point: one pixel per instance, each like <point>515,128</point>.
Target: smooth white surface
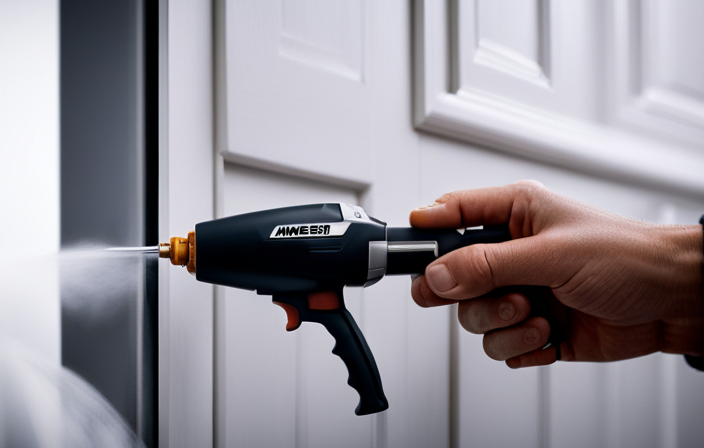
<point>186,195</point>
<point>29,175</point>
<point>656,69</point>
<point>296,94</point>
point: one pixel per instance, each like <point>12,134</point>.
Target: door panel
<point>487,389</point>
<point>298,67</point>
<point>657,69</point>
<point>291,380</point>
<point>521,51</point>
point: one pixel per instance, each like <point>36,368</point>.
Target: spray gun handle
<point>328,308</point>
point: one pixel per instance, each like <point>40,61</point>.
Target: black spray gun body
<point>303,256</point>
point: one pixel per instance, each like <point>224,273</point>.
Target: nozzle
<point>181,251</point>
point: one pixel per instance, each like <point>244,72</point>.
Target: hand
<point>621,288</point>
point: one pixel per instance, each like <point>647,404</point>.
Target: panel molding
<point>494,55</point>
<point>485,119</point>
<point>250,161</point>
<point>504,59</point>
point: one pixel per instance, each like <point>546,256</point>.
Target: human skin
<point>620,288</point>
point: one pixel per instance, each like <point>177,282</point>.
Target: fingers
<point>499,318</point>
<point>485,314</point>
<point>518,340</point>
<point>480,206</point>
<point>476,270</point>
<point>424,296</point>
<point>533,359</point>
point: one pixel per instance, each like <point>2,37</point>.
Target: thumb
<point>492,205</point>
<point>475,270</point>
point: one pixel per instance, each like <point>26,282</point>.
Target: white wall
<point>29,174</point>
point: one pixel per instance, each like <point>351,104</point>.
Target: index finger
<point>467,208</point>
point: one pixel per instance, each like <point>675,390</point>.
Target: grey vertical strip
<point>381,430</point>
<point>612,402</point>
<point>139,125</point>
<point>101,183</point>
<point>163,268</point>
<point>545,35</point>
<point>668,399</point>
<point>544,403</point>
<point>102,126</point>
<point>454,44</point>
<point>219,305</point>
<point>109,160</point>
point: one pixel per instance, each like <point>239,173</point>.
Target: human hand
<point>621,288</point>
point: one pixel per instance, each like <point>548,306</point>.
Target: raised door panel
<point>295,88</point>
<point>524,52</point>
<point>657,58</point>
<point>279,388</point>
<point>504,47</point>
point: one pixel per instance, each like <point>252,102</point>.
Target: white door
<point>307,105</point>
<point>314,101</point>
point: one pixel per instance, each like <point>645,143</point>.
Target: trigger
<point>292,314</point>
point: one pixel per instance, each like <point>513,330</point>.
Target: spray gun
<point>303,256</point>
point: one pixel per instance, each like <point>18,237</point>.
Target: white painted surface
<point>322,116</point>
<point>656,69</point>
<point>186,195</point>
<point>29,175</point>
<point>300,64</point>
<point>562,125</point>
<point>292,379</point>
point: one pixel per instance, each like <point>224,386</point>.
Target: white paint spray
<point>42,403</point>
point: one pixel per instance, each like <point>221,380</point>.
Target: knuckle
<point>474,269</point>
<point>530,188</point>
<point>449,198</point>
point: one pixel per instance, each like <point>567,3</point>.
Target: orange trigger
<point>292,316</point>
<point>326,300</point>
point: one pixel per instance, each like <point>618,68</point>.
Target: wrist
<point>683,328</point>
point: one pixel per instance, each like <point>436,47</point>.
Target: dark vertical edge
<point>150,340</point>
<point>151,125</point>
<point>150,398</point>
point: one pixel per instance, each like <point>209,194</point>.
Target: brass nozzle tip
<point>164,250</point>
<point>181,251</point>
